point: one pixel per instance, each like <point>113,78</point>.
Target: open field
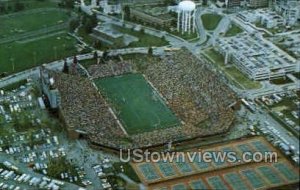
<point>28,5</point>
<point>232,73</point>
<point>217,174</point>
<point>140,108</point>
<point>186,36</point>
<point>27,21</point>
<point>19,56</point>
<point>210,21</point>
<point>234,30</point>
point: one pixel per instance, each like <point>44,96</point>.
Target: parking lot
<point>36,153</point>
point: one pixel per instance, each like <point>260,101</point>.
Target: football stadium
<point>121,105</point>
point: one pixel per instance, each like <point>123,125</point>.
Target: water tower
<point>186,16</point>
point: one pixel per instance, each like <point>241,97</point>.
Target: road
<point>262,116</point>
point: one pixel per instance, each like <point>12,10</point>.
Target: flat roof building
<point>258,58</point>
<point>290,10</point>
<point>258,3</point>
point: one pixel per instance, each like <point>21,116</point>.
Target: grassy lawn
<point>27,55</point>
<point>242,79</point>
<point>234,30</point>
<point>281,81</point>
<point>128,170</point>
<point>185,36</point>
<point>210,21</point>
<point>14,85</point>
<point>145,40</point>
<point>232,73</point>
<point>139,107</point>
<point>28,5</point>
<point>61,165</point>
<point>29,22</point>
<point>216,57</point>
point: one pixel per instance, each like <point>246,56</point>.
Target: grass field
<point>21,23</point>
<point>210,21</point>
<point>186,36</point>
<point>138,106</point>
<point>234,30</point>
<point>22,56</point>
<point>28,5</point>
<point>238,78</point>
<point>281,81</point>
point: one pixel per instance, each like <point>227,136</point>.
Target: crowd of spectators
<point>110,68</point>
<point>194,93</point>
<point>84,109</point>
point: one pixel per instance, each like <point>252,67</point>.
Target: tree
<point>150,51</point>
<point>66,67</point>
<point>19,6</point>
<point>127,12</point>
<point>2,8</point>
<point>67,4</point>
<point>169,2</point>
<point>74,24</point>
<point>90,22</point>
<point>104,57</point>
<point>97,44</point>
<point>75,60</point>
<point>96,57</point>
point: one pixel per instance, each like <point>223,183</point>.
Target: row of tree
<point>11,6</point>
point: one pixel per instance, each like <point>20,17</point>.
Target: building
<point>108,35</point>
<point>163,19</point>
<point>114,8</point>
<point>186,16</point>
<point>269,19</point>
<point>48,89</point>
<point>258,3</point>
<point>290,10</point>
<point>257,58</point>
<point>266,17</point>
<point>233,3</point>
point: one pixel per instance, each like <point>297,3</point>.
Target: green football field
<point>21,56</point>
<point>138,105</point>
<point>27,22</point>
